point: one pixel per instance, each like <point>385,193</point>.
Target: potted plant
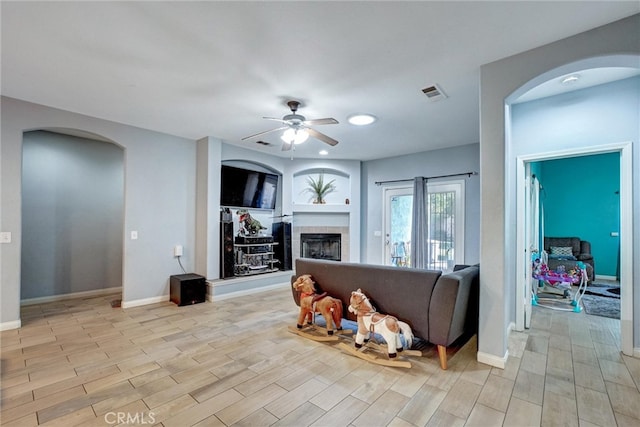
<point>319,188</point>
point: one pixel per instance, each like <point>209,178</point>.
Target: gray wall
<point>72,212</point>
<point>159,201</point>
<point>430,163</point>
<point>498,82</point>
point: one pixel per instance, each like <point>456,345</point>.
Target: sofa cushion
<point>563,242</point>
<point>562,250</point>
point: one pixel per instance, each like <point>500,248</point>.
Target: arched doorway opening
<point>72,216</point>
<point>566,141</point>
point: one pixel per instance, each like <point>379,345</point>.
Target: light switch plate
<point>5,237</point>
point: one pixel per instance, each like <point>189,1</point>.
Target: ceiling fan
<point>296,128</point>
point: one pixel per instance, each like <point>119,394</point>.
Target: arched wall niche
<point>80,133</point>
<point>341,181</point>
<point>249,164</point>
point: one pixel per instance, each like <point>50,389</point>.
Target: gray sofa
<point>440,308</point>
<point>580,251</point>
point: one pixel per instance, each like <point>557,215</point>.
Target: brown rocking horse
<point>311,303</point>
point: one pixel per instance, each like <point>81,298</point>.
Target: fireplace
<point>321,246</point>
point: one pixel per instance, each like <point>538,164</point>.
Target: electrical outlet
<point>134,235</point>
<point>177,251</point>
<point>5,237</point>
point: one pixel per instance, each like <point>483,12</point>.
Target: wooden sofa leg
<point>442,354</point>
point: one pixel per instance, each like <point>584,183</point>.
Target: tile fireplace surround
<point>344,236</point>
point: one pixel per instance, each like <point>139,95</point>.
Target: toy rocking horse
<point>311,303</point>
<point>388,326</point>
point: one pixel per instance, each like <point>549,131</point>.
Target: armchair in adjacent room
<point>568,251</point>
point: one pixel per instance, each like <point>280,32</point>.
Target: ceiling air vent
<point>434,93</point>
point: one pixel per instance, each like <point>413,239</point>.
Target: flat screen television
<point>245,188</point>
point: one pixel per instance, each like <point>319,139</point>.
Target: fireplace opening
<point>320,246</point>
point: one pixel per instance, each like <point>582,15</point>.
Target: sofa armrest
<point>585,248</point>
<point>451,303</point>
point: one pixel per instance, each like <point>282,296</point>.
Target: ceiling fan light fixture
<point>295,136</point>
<point>361,119</point>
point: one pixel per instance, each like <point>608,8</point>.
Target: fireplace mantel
<point>321,208</point>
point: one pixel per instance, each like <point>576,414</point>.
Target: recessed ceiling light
<point>323,152</point>
<point>361,119</point>
<point>570,79</point>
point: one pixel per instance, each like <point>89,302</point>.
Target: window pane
<point>442,208</point>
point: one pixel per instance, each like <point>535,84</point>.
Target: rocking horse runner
<point>310,303</point>
<point>370,321</point>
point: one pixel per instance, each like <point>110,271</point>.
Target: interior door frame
<point>626,229</point>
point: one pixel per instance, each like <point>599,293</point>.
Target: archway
<point>576,146</point>
<point>72,215</point>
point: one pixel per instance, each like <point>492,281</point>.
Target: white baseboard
<point>145,301</point>
<point>84,294</point>
<point>14,324</point>
<point>493,360</point>
<point>602,277</point>
<point>213,297</point>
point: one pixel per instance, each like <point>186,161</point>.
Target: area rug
<point>601,306</point>
<point>602,300</point>
<point>604,290</point>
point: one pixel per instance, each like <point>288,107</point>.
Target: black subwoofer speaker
<point>188,289</point>
<point>281,232</point>
<point>227,257</point>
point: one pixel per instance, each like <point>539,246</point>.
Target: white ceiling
<point>196,69</point>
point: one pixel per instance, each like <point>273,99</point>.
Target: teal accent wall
<point>581,198</point>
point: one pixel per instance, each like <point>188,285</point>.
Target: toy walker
<point>559,282</point>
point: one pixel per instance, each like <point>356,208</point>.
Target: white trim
<point>626,248</point>
<point>493,360</point>
<point>84,294</point>
<point>145,301</point>
<point>14,324</point>
<point>603,277</point>
<point>240,279</point>
<point>212,297</point>
<point>522,193</point>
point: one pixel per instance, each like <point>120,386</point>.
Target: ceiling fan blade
<point>266,131</point>
<point>286,122</point>
<point>326,121</point>
<point>321,136</point>
<point>287,146</point>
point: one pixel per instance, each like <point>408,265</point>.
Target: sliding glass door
<point>398,203</point>
<point>446,225</point>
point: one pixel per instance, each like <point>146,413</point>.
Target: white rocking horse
<point>386,325</point>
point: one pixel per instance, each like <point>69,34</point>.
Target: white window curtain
<point>420,224</point>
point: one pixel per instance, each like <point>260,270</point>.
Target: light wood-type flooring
<point>234,363</point>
